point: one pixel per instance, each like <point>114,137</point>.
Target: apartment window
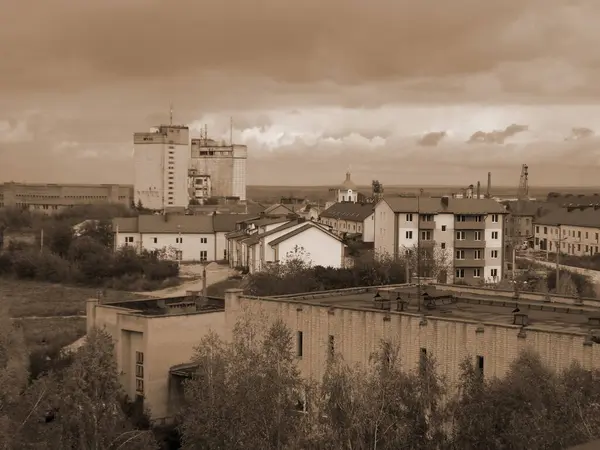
<point>427,217</point>
<point>461,218</point>
<point>203,240</point>
<point>477,235</point>
<point>494,273</point>
<point>587,249</point>
<point>479,365</point>
<point>300,343</point>
<point>225,254</point>
<point>579,234</point>
<point>494,235</point>
<point>139,373</point>
<point>494,254</point>
<point>155,240</point>
<point>171,147</point>
<point>203,255</point>
<point>461,235</point>
<point>423,359</point>
<point>578,247</point>
<point>545,230</point>
<point>460,273</point>
<point>586,235</point>
<point>443,245</point>
<point>478,218</point>
<point>460,254</point>
<point>537,229</point>
<point>179,240</point>
<point>129,239</point>
<point>409,217</point>
<point>494,218</point>
<point>596,236</point>
<point>477,254</point>
<point>443,227</point>
<point>331,346</point>
<point>476,273</point>
<point>409,235</point>
<point>425,235</point>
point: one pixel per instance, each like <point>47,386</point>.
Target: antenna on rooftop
<point>171,114</point>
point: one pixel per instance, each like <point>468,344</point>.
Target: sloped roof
<point>255,238</point>
<point>589,217</point>
<point>356,212</point>
<point>154,223</point>
<point>534,208</point>
<point>272,208</point>
<point>259,222</point>
<point>433,205</point>
<point>300,230</point>
<point>577,199</point>
<point>227,222</point>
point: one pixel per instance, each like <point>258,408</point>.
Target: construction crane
<point>516,239</point>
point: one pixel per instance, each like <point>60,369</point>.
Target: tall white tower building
<point>161,163</point>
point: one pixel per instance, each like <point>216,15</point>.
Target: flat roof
<point>169,306</point>
<point>451,304</point>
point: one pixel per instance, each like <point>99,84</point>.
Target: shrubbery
<point>86,257</point>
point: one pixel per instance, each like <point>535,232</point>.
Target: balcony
<point>469,225</point>
<point>426,225</point>
<point>468,243</point>
<point>468,262</point>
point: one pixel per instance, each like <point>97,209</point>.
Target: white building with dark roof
<point>347,219</point>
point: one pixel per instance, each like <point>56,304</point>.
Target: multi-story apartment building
<point>161,164</point>
<point>155,338</point>
<point>218,169</point>
<point>50,198</point>
<point>468,231</point>
<point>571,230</point>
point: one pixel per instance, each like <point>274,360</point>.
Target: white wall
<point>405,226</point>
<point>148,159</point>
<point>320,248</point>
<point>384,229</point>
<point>181,197</point>
<point>190,247</point>
<point>496,263</point>
<point>368,231</point>
<point>240,153</point>
<point>121,240</point>
<point>221,246</point>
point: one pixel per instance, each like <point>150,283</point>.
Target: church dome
<point>348,184</point>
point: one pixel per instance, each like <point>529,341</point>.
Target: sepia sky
<point>393,89</point>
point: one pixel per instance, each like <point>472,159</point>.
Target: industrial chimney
<point>478,190</point>
<point>489,185</point>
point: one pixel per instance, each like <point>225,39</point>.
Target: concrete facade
<point>223,165</point>
<point>467,232</point>
<point>51,198</point>
<point>161,163</point>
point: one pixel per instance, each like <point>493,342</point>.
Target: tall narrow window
<point>331,346</point>
<point>139,373</point>
<point>479,366</point>
<point>300,344</point>
<point>423,359</point>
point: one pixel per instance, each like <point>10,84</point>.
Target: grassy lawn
<point>37,299</point>
<point>218,289</point>
<point>57,332</point>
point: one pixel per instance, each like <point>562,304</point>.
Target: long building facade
<point>450,323</point>
<point>469,232</point>
<point>50,198</point>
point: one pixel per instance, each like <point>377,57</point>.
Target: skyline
<point>325,87</point>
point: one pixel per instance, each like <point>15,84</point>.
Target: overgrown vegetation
<point>249,394</point>
<point>539,278</point>
<point>62,254</point>
<point>584,262</point>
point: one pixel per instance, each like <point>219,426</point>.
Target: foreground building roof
<point>356,212</point>
<point>435,205</point>
<point>588,217</point>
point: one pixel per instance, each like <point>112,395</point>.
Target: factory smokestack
<point>478,190</point>
<point>489,185</point>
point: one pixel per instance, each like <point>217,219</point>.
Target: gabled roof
<point>255,238</point>
<point>433,205</point>
<point>356,212</point>
<point>259,222</point>
<point>533,208</point>
<point>274,207</point>
<point>169,223</point>
<point>588,217</point>
<point>300,230</point>
<point>227,222</point>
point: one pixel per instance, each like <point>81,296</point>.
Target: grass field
<point>218,289</point>
<point>56,332</point>
<point>323,194</point>
<point>36,299</point>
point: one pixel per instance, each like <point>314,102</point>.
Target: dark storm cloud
<point>432,139</point>
<point>496,136</point>
<point>68,45</point>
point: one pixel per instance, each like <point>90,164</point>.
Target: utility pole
<point>558,246</point>
<point>42,240</point>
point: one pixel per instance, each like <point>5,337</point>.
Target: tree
<point>434,261</point>
<point>98,230</point>
<point>90,414</point>
<point>58,238</point>
<point>244,392</point>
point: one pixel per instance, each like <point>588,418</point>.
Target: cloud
<point>496,136</point>
<point>14,132</point>
<point>432,139</point>
<point>537,47</point>
<point>580,133</point>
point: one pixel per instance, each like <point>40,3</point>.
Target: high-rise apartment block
<point>161,161</point>
<point>170,173</point>
<point>468,232</point>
